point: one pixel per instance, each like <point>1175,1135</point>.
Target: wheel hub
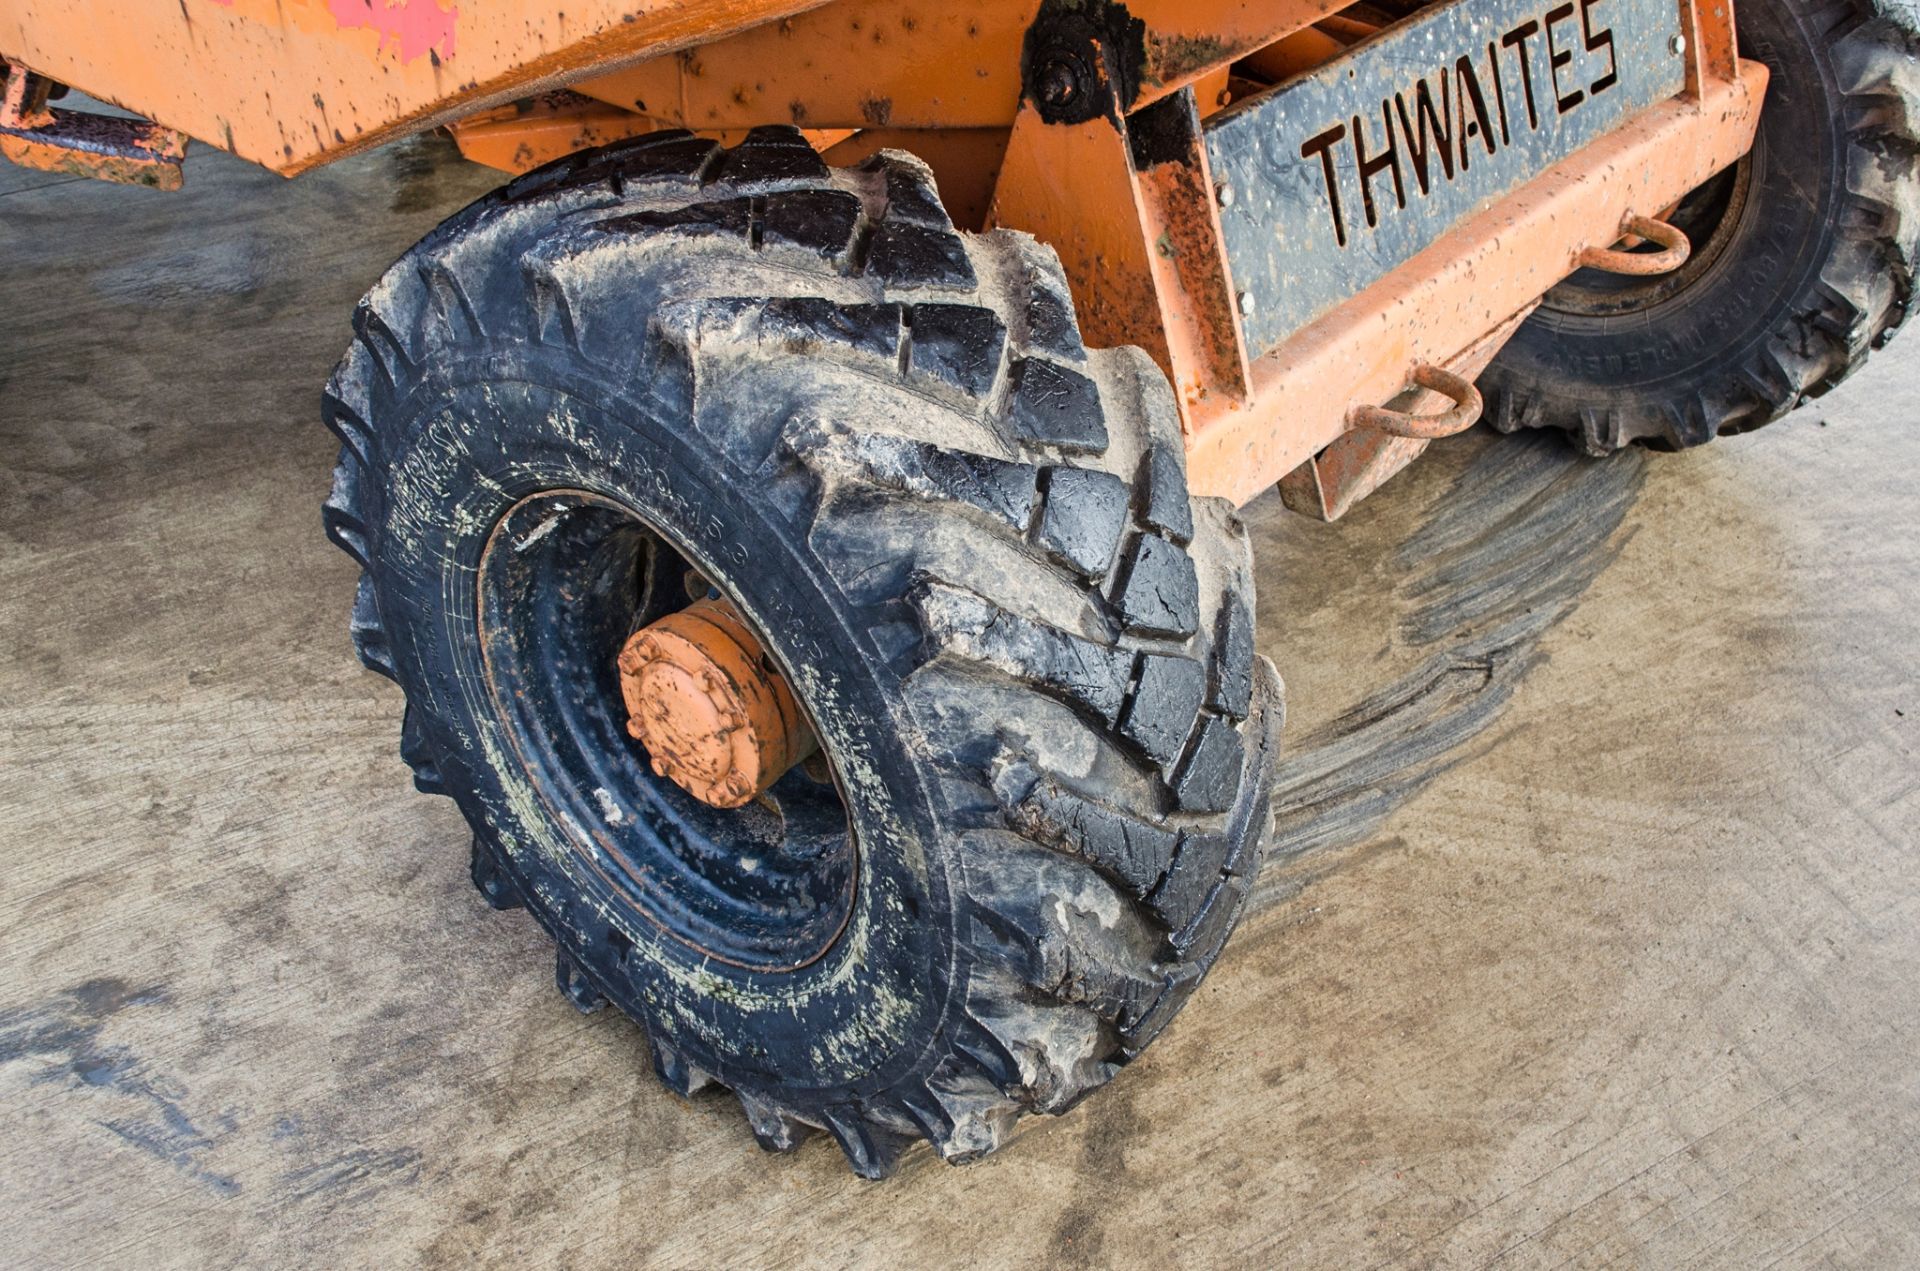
<point>704,700</point>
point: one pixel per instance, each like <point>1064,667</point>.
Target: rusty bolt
<point>1056,84</point>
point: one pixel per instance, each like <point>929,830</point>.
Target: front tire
<point>964,538</point>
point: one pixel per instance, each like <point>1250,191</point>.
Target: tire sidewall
<point>478,437</point>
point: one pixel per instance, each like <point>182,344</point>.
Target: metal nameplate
<point>1332,179</point>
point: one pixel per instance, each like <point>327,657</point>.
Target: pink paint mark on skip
<point>414,27</point>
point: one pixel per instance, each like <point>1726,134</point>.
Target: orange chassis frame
<point>294,83</point>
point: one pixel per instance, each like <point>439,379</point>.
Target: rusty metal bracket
<point>1670,238</point>
<point>126,151</point>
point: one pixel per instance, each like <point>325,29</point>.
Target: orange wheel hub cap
<point>715,717</point>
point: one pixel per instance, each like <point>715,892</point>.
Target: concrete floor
<point>1593,934</point>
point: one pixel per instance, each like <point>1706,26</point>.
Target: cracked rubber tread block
<point>958,345</point>
<point>1160,592</point>
<point>860,361</point>
<point>1084,515</point>
<point>1818,271</point>
<point>1057,406</point>
<point>1166,699</point>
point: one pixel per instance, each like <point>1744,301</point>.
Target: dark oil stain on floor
<point>135,1099</point>
<point>146,1108</point>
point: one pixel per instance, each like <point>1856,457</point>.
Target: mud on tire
<point>1803,256</point>
<point>965,537</point>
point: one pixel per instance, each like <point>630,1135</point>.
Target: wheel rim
<point>565,578</point>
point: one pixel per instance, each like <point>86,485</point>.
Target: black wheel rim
<point>565,577</point>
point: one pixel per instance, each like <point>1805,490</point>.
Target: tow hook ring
<point>1670,238</point>
<point>1462,415</point>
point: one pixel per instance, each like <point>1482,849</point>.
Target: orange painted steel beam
<point>919,64</point>
<point>1072,187</point>
<point>1141,248</point>
<point>293,83</point>
<point>1712,53</point>
<point>1466,284</point>
<point>1188,39</point>
<point>128,151</point>
<point>521,137</point>
<point>1206,356</point>
<point>852,64</point>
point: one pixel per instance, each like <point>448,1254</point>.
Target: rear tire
<point>1803,262</point>
<point>965,538</point>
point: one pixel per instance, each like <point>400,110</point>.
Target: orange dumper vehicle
<point>799,504</point>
